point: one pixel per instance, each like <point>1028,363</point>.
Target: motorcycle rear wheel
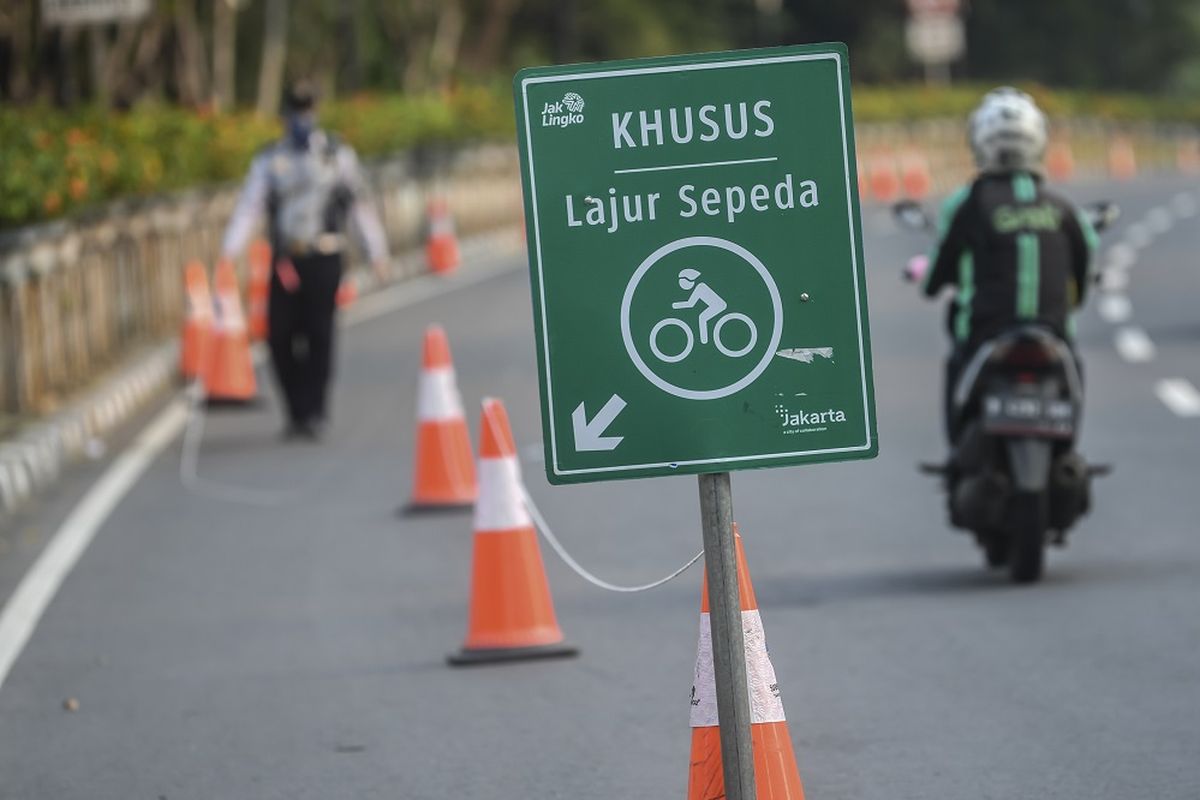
<point>995,549</point>
<point>1027,543</point>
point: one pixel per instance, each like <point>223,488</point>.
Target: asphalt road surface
<point>293,648</point>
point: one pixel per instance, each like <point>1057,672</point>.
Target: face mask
<point>299,128</point>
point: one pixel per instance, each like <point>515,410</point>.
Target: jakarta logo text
<point>566,112</point>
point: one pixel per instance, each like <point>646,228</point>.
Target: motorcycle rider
<point>1016,252</point>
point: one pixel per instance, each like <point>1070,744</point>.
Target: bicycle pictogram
<point>714,309</point>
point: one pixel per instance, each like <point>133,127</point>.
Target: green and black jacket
<point>1015,251</point>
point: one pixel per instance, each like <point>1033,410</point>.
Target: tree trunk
<point>193,66</point>
<point>224,55</point>
<point>98,46</point>
<point>270,72</point>
<point>443,55</point>
<point>131,81</point>
<point>487,49</point>
<point>61,84</point>
<point>418,44</point>
<point>567,31</point>
<point>350,69</point>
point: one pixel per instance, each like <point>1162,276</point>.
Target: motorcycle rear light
<point>1026,377</point>
<point>1029,354</point>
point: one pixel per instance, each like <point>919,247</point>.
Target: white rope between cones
<point>189,459</point>
<point>558,548</point>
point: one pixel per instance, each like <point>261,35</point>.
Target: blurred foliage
<point>427,45</point>
<point>907,102</point>
<point>62,161</point>
<point>56,162</point>
<point>406,72</point>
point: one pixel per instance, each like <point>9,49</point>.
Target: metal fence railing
<point>77,296</point>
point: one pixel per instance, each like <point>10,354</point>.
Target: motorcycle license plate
<point>1028,415</point>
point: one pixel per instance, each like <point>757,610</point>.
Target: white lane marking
<point>20,615</point>
<point>1138,235</point>
<point>1184,205</point>
<point>1121,256</point>
<point>426,287</point>
<point>1115,308</point>
<point>1134,344</point>
<point>1159,220</point>
<point>1114,280</point>
<point>24,609</point>
<point>1180,396</point>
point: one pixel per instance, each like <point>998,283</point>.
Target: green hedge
<point>58,162</point>
<point>892,103</point>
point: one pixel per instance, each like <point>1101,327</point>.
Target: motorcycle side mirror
<point>1102,214</point>
<point>911,215</point>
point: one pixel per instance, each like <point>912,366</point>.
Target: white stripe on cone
<point>500,507</point>
<point>228,314</point>
<point>199,306</point>
<point>438,399</point>
<point>765,702</point>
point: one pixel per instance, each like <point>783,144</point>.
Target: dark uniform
<point>1016,253</point>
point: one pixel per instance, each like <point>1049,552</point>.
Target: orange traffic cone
<point>441,249</point>
<point>1187,156</point>
<point>915,176</point>
<point>1122,160</point>
<point>775,773</point>
<point>444,472</point>
<point>1060,161</point>
<point>230,374</point>
<point>195,344</point>
<point>885,184</point>
<point>259,291</point>
<point>511,615</point>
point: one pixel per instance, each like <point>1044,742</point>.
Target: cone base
<point>495,655</point>
<point>427,508</point>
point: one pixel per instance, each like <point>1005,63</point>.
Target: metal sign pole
<point>729,650</point>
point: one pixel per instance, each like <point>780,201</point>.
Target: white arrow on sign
<point>588,435</point>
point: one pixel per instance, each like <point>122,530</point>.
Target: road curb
<point>35,458</point>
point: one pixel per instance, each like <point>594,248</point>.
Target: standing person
<point>307,184</point>
<point>1015,251</point>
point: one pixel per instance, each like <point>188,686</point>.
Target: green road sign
<point>696,260</point>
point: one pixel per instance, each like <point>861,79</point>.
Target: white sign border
<point>537,241</point>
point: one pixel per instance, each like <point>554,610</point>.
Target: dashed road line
<point>1159,220</point>
<point>1134,344</point>
<point>1179,395</point>
<point>1121,256</point>
<point>1184,205</point>
<point>1138,235</point>
<point>1114,280</point>
<point>1115,308</point>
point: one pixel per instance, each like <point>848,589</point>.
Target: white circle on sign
<point>750,328</point>
<point>776,328</point>
<point>671,322</point>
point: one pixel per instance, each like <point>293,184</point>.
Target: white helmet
<point>1007,131</point>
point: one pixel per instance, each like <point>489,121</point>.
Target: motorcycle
<point>1014,478</point>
